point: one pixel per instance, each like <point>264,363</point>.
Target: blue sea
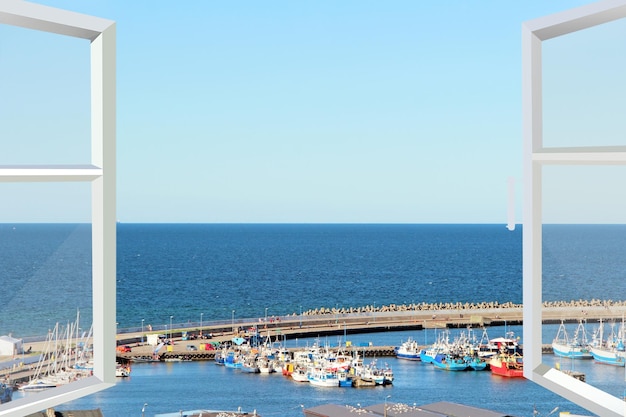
<point>219,272</point>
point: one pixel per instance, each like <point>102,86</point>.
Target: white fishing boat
<point>299,374</point>
<point>122,371</point>
<point>609,351</point>
<point>576,347</point>
<point>409,350</point>
<point>322,377</point>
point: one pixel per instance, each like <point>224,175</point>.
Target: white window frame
<point>534,32</point>
<point>101,173</point>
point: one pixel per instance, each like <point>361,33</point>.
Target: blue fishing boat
<point>6,393</point>
<point>476,363</point>
<point>450,362</point>
<point>232,360</point>
<point>441,346</point>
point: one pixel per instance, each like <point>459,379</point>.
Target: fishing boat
<point>345,378</point>
<point>450,362</point>
<point>476,363</point>
<point>250,365</point>
<point>507,364</point>
<point>232,360</point>
<point>573,348</point>
<point>610,351</point>
<point>122,371</point>
<point>299,374</point>
<point>408,350</point>
<point>6,393</point>
<point>441,346</point>
<point>322,377</point>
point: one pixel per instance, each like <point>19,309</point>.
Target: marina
<point>390,283</point>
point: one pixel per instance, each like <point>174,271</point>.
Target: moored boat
<point>408,350</point>
<point>450,362</point>
<point>299,374</point>
<point>610,351</point>
<point>37,385</point>
<point>6,393</point>
<point>322,377</point>
<point>122,370</point>
<point>507,364</point>
<point>573,348</point>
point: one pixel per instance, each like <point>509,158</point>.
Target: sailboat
<point>55,365</point>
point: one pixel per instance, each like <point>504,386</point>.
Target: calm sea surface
<point>190,271</point>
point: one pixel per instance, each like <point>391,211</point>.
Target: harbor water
<point>171,274</point>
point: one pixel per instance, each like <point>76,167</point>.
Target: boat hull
<point>608,357</point>
<point>570,352</point>
<point>507,366</point>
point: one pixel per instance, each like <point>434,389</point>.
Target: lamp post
<point>171,317</point>
<point>142,320</point>
<point>232,321</point>
<point>201,314</point>
<point>116,334</point>
<point>143,409</point>
<point>300,316</point>
<point>265,314</point>
<point>385,409</point>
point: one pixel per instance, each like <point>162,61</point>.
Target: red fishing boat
<point>507,364</point>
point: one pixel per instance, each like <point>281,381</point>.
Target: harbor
<point>198,341</point>
<point>372,335</point>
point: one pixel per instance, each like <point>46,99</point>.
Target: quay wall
<point>386,318</point>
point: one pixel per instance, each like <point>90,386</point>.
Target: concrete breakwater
<point>323,322</point>
<point>458,306</point>
<point>388,318</point>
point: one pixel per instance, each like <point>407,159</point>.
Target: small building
<point>10,346</point>
<point>440,409</point>
<point>154,339</point>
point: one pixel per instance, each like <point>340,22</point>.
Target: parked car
<point>192,347</point>
<point>124,348</point>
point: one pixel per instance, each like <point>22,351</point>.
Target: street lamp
<point>201,314</point>
<point>232,321</point>
<point>143,409</point>
<point>142,320</point>
<point>171,317</point>
<point>266,314</point>
<point>301,316</point>
<point>385,409</point>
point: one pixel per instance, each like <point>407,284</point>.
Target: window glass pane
<point>46,301</point>
<point>584,261</point>
<point>584,87</point>
<point>45,100</point>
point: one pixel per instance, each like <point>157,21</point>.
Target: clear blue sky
<point>283,111</point>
